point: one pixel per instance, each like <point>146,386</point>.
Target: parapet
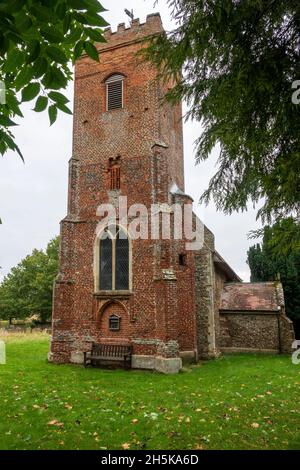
<point>135,32</point>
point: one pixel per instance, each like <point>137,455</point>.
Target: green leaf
<point>4,44</point>
<point>91,51</point>
<point>58,97</point>
<point>76,4</point>
<point>43,14</point>
<point>91,19</point>
<point>30,91</point>
<point>75,35</point>
<point>61,11</point>
<point>78,50</point>
<point>13,104</point>
<point>48,79</point>
<point>95,5</point>
<point>96,35</point>
<point>34,50</point>
<point>67,23</point>
<point>8,140</point>
<point>52,34</point>
<point>41,104</point>
<point>52,111</point>
<point>23,22</point>
<point>3,147</point>
<point>55,79</point>
<point>14,37</point>
<point>59,79</point>
<point>14,60</point>
<point>64,108</point>
<point>57,54</point>
<point>86,5</point>
<point>40,67</point>
<point>24,77</point>
<point>19,152</point>
<point>6,121</point>
<point>13,6</point>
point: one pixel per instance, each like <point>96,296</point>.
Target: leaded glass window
<point>106,264</point>
<point>114,260</point>
<point>122,263</point>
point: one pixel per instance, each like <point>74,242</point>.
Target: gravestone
<point>2,353</point>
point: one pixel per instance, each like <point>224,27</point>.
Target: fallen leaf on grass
<point>255,425</point>
<point>54,422</point>
<point>68,407</point>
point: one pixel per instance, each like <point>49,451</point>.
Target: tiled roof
<point>252,296</point>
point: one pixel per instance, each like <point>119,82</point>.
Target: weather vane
<point>130,14</point>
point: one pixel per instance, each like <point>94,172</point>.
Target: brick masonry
<point>171,310</point>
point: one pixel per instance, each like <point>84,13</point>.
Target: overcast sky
<point>33,197</point>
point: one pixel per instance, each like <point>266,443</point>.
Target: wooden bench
<point>108,354</point>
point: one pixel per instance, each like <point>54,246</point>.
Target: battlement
<point>135,32</point>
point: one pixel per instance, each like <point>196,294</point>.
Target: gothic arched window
<point>115,92</point>
<point>114,263</point>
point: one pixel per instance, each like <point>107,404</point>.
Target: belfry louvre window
<point>115,92</point>
<point>114,263</point>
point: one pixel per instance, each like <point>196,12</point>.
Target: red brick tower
<point>127,142</point>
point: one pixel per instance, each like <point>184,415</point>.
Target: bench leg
<point>87,360</point>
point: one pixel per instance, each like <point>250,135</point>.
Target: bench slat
<point>108,353</point>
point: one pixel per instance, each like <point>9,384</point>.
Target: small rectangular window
<point>182,260</point>
<point>114,95</point>
<point>114,323</point>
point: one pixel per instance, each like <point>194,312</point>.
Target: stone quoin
<point>170,303</point>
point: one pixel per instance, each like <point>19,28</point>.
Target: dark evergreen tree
<point>269,264</point>
<point>239,60</point>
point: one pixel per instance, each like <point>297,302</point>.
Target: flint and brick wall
<point>158,314</point>
<point>251,331</point>
<point>269,332</point>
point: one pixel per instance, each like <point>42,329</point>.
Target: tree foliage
<point>239,60</point>
<point>267,263</point>
<point>38,41</point>
<point>27,290</point>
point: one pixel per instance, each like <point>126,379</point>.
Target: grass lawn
<point>235,402</point>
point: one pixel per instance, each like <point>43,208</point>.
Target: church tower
<point>128,143</point>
